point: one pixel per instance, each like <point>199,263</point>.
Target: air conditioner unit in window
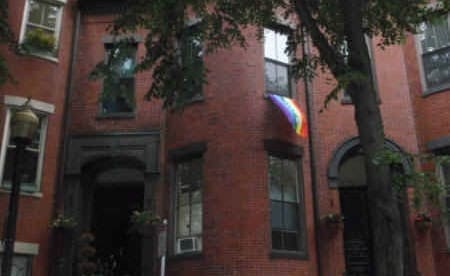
<point>188,244</point>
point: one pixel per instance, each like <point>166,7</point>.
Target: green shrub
<point>39,40</point>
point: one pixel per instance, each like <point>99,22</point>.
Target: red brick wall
<point>45,81</point>
<point>336,124</point>
<point>432,115</point>
<point>85,104</point>
<point>234,118</point>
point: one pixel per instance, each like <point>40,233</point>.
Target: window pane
<point>290,240</point>
<point>196,219</point>
<point>290,180</point>
<point>436,67</point>
<point>9,165</point>
<point>118,86</point>
<point>275,172</point>
<point>50,14</point>
<point>270,77</point>
<point>183,198</point>
<point>192,59</point>
<point>436,35</point>
<point>290,216</point>
<point>281,40</point>
<point>21,265</point>
<point>196,196</point>
<point>446,171</point>
<point>282,80</point>
<point>276,215</point>
<point>275,45</point>
<point>119,96</point>
<point>195,173</point>
<point>270,44</point>
<point>183,221</point>
<point>277,240</point>
<point>36,12</point>
<point>30,166</point>
<point>188,185</point>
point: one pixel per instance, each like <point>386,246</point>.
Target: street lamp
<point>23,126</point>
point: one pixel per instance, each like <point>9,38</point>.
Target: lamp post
<point>23,126</point>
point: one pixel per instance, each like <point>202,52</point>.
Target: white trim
<point>26,248</point>
<point>5,141</point>
<point>16,101</point>
<point>23,193</point>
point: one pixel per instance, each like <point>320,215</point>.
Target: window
<point>346,99</point>
<point>23,257</point>
<point>276,63</point>
<point>118,86</point>
<point>34,153</point>
<point>434,42</point>
<point>188,206</point>
<point>192,61</point>
<point>31,161</point>
<point>445,169</point>
<point>41,26</point>
<point>284,181</point>
<point>21,265</point>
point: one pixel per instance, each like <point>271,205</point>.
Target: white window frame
<point>43,109</point>
<point>283,30</point>
<point>419,53</point>
<point>57,33</point>
<point>23,250</point>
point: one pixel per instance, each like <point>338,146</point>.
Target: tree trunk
<point>385,220</point>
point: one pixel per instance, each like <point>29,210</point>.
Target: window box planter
<point>39,42</point>
<point>333,221</point>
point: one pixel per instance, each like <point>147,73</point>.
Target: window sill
<point>284,254</point>
<point>436,90</point>
<point>266,95</point>
<point>23,193</point>
<point>346,100</point>
<point>197,98</point>
<point>116,116</point>
<point>38,55</point>
<point>186,256</point>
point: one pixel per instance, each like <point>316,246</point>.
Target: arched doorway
<point>347,173</point>
<point>106,177</point>
<point>113,188</point>
<point>353,199</point>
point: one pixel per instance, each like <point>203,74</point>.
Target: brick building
<point>241,192</point>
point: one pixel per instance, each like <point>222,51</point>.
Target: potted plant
<point>141,220</point>
<point>86,255</point>
<point>423,221</point>
<point>333,221</point>
<point>63,222</point>
<point>333,218</point>
<point>37,40</point>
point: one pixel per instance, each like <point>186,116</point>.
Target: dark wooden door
<point>357,237</point>
<point>118,248</point>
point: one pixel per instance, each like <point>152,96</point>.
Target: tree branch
<point>327,52</point>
